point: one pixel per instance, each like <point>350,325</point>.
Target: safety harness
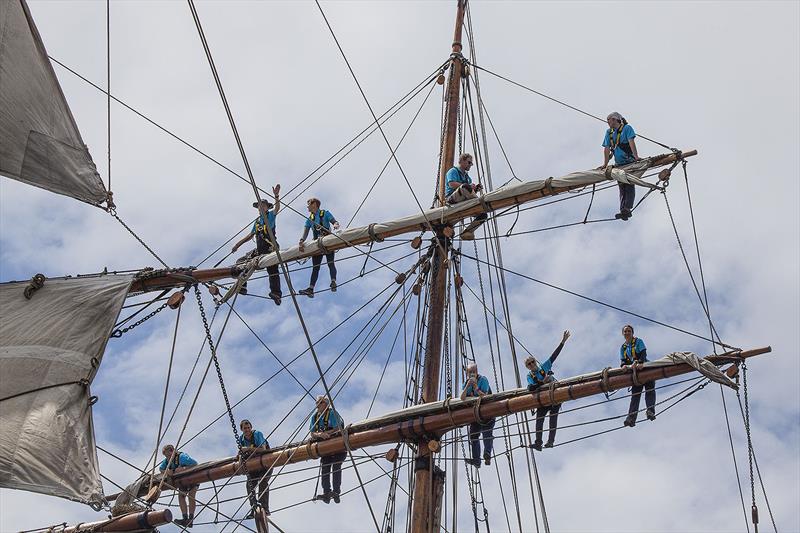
<point>538,375</point>
<point>625,147</point>
<point>629,360</point>
<point>326,418</point>
<point>318,227</point>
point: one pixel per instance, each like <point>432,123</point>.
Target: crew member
<point>634,352</point>
<point>319,222</point>
<point>619,141</point>
<point>249,441</point>
<point>324,423</point>
<point>478,385</point>
<point>459,188</point>
<point>266,217</point>
<point>175,461</point>
<point>538,375</point>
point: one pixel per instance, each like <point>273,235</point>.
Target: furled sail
<point>50,349</point>
<point>39,141</point>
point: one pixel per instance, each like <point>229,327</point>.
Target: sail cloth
<point>503,197</point>
<point>41,144</point>
<point>48,344</point>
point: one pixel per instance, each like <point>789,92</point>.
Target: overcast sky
<point>722,78</point>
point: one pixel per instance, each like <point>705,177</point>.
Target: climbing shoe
<point>537,445</point>
<point>335,497</point>
<point>333,285</point>
<point>182,522</point>
<point>249,516</point>
<point>307,292</point>
<point>549,444</point>
<point>326,496</point>
<point>474,462</point>
<point>487,459</point>
<point>276,297</point>
<point>630,421</point>
<point>651,415</point>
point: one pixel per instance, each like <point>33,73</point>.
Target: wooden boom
<point>129,522</point>
<point>440,216</point>
<point>441,417</point>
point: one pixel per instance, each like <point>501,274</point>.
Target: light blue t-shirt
<point>621,157</point>
<point>182,459</point>
<point>545,368</point>
<point>625,355</point>
<point>330,419</point>
<point>483,386</point>
<point>455,174</point>
<point>314,221</point>
<point>257,440</point>
<point>259,227</point>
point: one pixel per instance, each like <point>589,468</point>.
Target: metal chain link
<point>216,365</point>
<point>754,508</point>
<point>119,332</point>
<point>113,213</point>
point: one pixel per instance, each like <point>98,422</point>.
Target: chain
<point>754,509</point>
<point>114,214</point>
<point>117,333</point>
<point>216,365</point>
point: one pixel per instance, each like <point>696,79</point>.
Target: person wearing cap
<point>634,352</point>
<point>325,422</point>
<point>266,217</point>
<point>319,222</point>
<point>478,386</point>
<point>619,142</point>
<point>458,187</point>
<point>175,461</point>
<point>539,375</point>
<point>249,441</point>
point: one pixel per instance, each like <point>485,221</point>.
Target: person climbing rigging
<point>249,441</point>
<point>266,215</point>
<point>459,188</point>
<point>539,375</point>
<point>478,386</point>
<point>620,141</point>
<point>634,352</point>
<point>324,423</point>
<point>175,461</point>
<point>319,222</point>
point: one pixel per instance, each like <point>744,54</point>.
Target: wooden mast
<point>422,512</point>
<point>445,418</point>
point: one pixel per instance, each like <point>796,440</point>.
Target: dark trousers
<point>332,463</point>
<point>316,260</point>
<point>627,194</point>
<point>649,398</point>
<point>263,488</point>
<point>542,412</point>
<point>274,279</point>
<point>475,432</point>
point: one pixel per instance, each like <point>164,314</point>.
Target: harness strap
<point>322,246</point>
<point>372,234</point>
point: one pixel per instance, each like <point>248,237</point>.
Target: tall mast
<point>425,493</point>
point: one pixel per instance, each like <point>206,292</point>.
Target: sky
<point>719,77</point>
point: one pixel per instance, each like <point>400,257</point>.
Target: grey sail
<point>41,144</point>
<point>50,349</point>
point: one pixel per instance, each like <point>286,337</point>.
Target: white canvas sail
<point>39,141</point>
<point>50,349</point>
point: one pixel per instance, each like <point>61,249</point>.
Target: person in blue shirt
<point>266,216</point>
<point>250,441</point>
<point>325,422</point>
<point>619,142</point>
<point>634,352</point>
<point>458,188</point>
<point>175,461</point>
<point>478,386</point>
<point>319,222</point>
<point>539,375</point>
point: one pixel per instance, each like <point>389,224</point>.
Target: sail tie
<point>372,235</point>
<point>36,283</point>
